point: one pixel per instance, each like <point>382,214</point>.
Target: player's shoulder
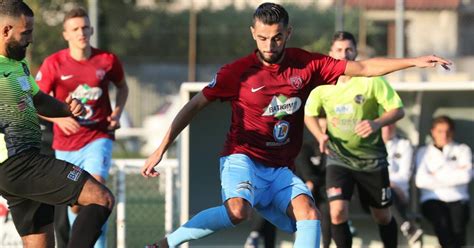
<point>240,65</point>
<point>103,54</point>
<point>301,54</point>
<point>58,56</point>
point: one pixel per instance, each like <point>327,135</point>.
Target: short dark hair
<point>15,8</point>
<point>75,12</point>
<point>443,119</point>
<point>343,35</point>
<point>271,13</point>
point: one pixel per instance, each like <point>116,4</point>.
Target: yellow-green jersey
<point>347,104</point>
<point>19,123</point>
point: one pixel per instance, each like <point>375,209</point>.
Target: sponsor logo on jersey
<point>100,74</point>
<point>24,83</point>
<point>333,192</point>
<point>296,82</point>
<point>359,99</point>
<point>25,69</point>
<point>343,109</point>
<point>85,93</point>
<point>39,76</point>
<point>280,131</point>
<point>281,106</point>
<point>74,174</point>
<point>213,82</point>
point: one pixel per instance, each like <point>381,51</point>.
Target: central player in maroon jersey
<point>267,91</point>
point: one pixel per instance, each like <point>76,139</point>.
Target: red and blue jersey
<point>87,81</point>
<point>268,102</point>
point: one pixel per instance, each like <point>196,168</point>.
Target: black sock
<point>389,233</point>
<point>87,227</point>
<point>341,234</point>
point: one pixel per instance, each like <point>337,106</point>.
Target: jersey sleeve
<point>224,85</point>
<point>45,76</point>
<point>386,96</point>
<point>328,69</point>
<point>313,104</point>
<point>116,74</point>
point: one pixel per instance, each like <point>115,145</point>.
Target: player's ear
<point>289,32</point>
<point>6,31</point>
<point>252,31</point>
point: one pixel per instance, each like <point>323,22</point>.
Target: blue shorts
<point>269,190</point>
<point>95,157</point>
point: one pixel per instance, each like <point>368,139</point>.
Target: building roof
<point>409,4</point>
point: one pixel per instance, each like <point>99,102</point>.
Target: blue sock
<point>101,242</point>
<point>308,234</point>
<point>201,225</point>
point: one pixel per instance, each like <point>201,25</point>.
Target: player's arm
<point>120,100</point>
<point>182,119</point>
<point>381,66</point>
<point>312,123</point>
<point>367,127</point>
<point>49,106</point>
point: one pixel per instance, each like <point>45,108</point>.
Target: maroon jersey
<point>87,81</point>
<point>268,102</point>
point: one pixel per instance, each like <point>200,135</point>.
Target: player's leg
<point>43,238</point>
<point>53,182</point>
<point>339,189</point>
<point>95,158</point>
<point>237,178</point>
<point>289,205</point>
<point>374,188</point>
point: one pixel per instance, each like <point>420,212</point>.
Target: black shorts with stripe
<point>373,186</point>
<point>32,183</point>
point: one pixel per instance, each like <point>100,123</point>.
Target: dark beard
<point>272,60</point>
<point>15,50</point>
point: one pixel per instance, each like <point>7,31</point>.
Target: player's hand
<point>148,170</point>
<point>366,128</point>
<point>114,122</point>
<point>75,106</point>
<point>67,124</point>
<point>323,144</point>
<point>431,61</point>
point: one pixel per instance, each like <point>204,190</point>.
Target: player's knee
<point>106,198</point>
<point>239,213</point>
<point>382,218</point>
<point>338,216</point>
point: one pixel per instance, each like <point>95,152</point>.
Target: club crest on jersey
<point>280,131</point>
<point>281,106</point>
<point>25,69</point>
<point>213,82</point>
<point>100,74</point>
<point>359,99</point>
<point>296,82</point>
